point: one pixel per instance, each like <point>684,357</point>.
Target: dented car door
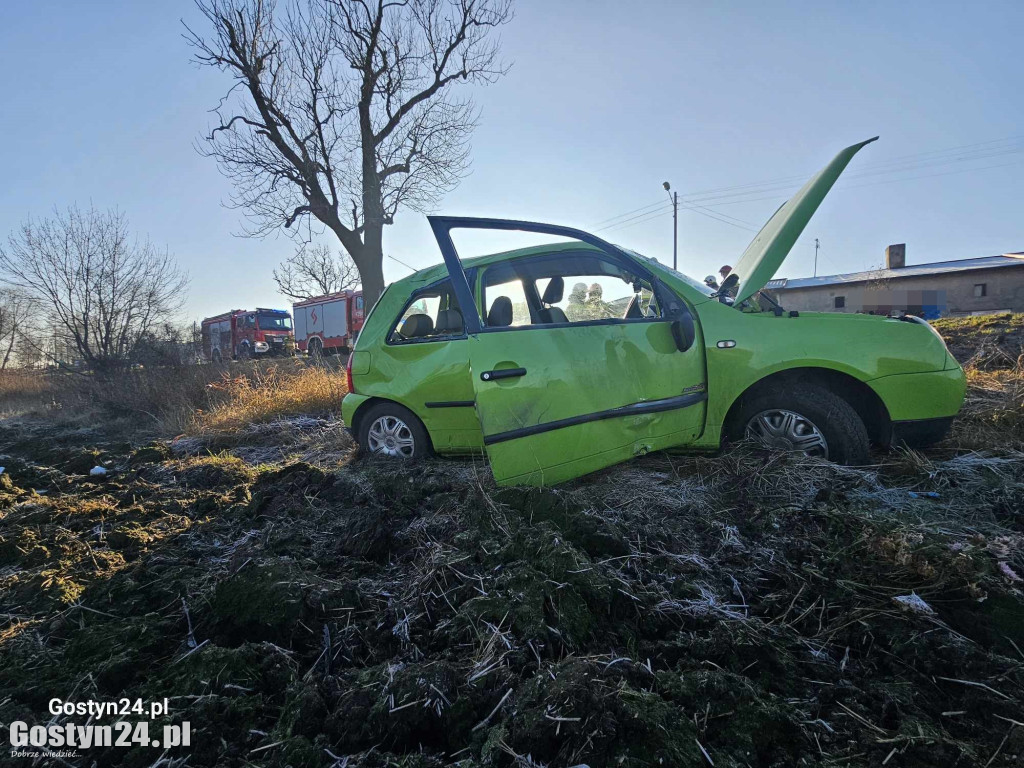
<point>558,398</point>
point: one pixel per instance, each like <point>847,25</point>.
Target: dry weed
<point>270,393</point>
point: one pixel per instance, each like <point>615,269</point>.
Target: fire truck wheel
<point>315,349</point>
<point>388,429</point>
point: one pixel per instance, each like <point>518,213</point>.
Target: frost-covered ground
<point>301,606</point>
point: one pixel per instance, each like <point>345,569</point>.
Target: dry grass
<point>985,341</point>
<point>198,399</point>
<point>269,393</point>
<point>23,389</point>
<point>158,399</point>
<point>993,413</point>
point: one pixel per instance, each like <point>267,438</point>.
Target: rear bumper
<point>349,405</point>
<point>919,433</point>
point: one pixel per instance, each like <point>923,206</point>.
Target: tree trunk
<point>10,346</point>
<point>371,266</point>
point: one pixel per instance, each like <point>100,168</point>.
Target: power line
<point>894,169</point>
<point>741,193</point>
<point>627,213</point>
<point>659,214</point>
<point>650,217</point>
<point>883,181</point>
<point>661,205</point>
<point>934,155</point>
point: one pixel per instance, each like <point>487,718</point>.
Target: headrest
<point>553,293</point>
<point>501,313</point>
<point>551,315</point>
<point>448,321</point>
<point>416,326</point>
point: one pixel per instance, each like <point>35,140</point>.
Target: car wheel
<point>809,419</point>
<point>388,429</point>
<point>315,348</point>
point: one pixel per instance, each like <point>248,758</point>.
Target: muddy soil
<point>747,610</point>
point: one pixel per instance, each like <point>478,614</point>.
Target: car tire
<point>315,348</point>
<point>389,429</point>
<point>804,415</point>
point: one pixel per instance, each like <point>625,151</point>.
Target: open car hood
<point>772,244</point>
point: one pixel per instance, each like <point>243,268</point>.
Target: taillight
<point>348,372</point>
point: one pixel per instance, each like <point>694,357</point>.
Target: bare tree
<point>342,110</point>
<point>16,315</point>
<point>102,289</point>
<point>315,271</point>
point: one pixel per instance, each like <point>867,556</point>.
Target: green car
<point>561,359</point>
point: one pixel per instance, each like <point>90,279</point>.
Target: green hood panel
<point>768,250</point>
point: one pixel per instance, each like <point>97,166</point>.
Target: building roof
<point>912,270</point>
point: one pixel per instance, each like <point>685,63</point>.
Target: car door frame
<point>473,323</point>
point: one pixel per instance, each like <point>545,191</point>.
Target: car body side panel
<point>434,373</point>
<point>865,347</point>
<point>413,375</point>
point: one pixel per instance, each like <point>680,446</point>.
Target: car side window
<point>431,314</point>
<point>569,289</point>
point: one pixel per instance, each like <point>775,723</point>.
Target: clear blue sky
<point>605,100</point>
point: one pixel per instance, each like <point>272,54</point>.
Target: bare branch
<point>339,101</point>
<point>315,271</point>
<point>100,289</point>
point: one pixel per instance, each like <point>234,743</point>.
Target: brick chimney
<point>896,256</point>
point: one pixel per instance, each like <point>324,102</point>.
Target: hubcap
<point>788,431</point>
<point>391,436</point>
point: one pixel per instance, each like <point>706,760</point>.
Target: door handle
<point>503,373</point>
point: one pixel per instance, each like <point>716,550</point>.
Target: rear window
<point>431,314</point>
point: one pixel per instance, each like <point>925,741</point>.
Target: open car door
<point>567,390</point>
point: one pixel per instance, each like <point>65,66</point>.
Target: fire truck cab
<point>243,334</point>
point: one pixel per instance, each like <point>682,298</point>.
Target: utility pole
<point>674,199</point>
<point>816,244</point>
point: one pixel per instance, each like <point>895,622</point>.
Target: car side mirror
<point>683,331</point>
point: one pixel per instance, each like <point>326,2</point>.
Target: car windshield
<point>695,284</point>
<point>275,322</point>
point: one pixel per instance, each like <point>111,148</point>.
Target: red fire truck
<point>328,324</point>
<point>242,334</point>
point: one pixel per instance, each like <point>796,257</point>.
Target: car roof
<point>440,271</point>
